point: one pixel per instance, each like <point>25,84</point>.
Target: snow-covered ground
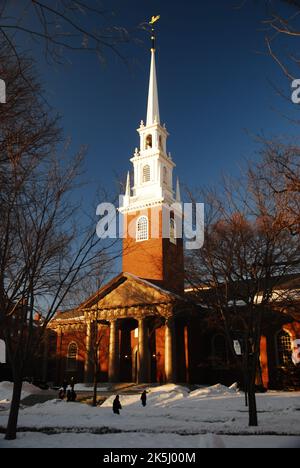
<point>174,417</point>
<point>132,440</point>
<point>6,389</point>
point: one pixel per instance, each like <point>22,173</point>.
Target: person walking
<point>144,398</point>
<point>73,395</point>
<point>117,405</point>
<point>64,386</point>
<point>72,383</point>
<point>69,393</point>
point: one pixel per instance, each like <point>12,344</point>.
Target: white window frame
<point>146,174</point>
<point>72,362</point>
<point>279,356</point>
<point>142,234</point>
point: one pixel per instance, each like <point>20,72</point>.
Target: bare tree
<point>87,288</point>
<point>283,22</point>
<point>280,169</point>
<point>237,274</point>
<point>47,245</point>
<point>98,347</point>
<point>61,27</point>
<point>281,28</point>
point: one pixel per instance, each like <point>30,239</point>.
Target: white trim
<point>146,174</point>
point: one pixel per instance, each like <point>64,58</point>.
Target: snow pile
<point>168,388</point>
<point>235,387</point>
<point>164,395</point>
<point>214,391</point>
<point>6,389</point>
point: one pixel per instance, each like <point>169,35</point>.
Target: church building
<point>142,326</point>
<point>139,315</point>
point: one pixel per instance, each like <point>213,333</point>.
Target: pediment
<point>130,292</point>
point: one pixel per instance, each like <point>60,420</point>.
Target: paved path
<point>85,395</point>
<point>32,400</point>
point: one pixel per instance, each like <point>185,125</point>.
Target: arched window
<point>142,228</point>
<point>172,231</point>
<point>165,175</point>
<point>284,348</point>
<point>148,141</point>
<point>146,173</point>
<point>220,350</point>
<point>72,357</point>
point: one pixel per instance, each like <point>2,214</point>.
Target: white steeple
<point>153,105</point>
<point>152,166</point>
<point>178,195</point>
<point>127,193</point>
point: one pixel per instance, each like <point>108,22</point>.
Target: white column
<point>143,353</point>
<point>88,356</point>
<point>114,352</point>
<point>169,351</point>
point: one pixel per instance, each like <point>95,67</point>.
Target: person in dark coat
<point>73,395</point>
<point>69,394</point>
<point>117,405</point>
<point>72,383</point>
<point>144,398</point>
<point>61,394</point>
<point>64,386</point>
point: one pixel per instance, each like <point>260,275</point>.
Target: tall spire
<point>178,195</point>
<point>127,192</point>
<point>153,105</point>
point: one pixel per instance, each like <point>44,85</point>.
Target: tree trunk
<point>252,406</point>
<point>246,389</point>
<point>11,430</point>
<point>253,421</point>
<point>95,388</point>
<point>246,397</point>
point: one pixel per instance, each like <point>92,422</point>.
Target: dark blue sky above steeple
<point>215,89</point>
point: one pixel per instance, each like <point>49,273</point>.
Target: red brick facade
<point>158,259</point>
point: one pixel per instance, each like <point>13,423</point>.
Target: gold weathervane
<point>153,20</point>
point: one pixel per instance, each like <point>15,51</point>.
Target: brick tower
<point>153,246</point>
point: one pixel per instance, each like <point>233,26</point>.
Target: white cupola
<point>152,166</point>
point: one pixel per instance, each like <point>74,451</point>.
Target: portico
<point>141,335</point>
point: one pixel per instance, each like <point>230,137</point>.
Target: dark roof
<point>68,314</point>
<point>237,290</point>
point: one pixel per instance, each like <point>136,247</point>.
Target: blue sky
<point>214,85</point>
